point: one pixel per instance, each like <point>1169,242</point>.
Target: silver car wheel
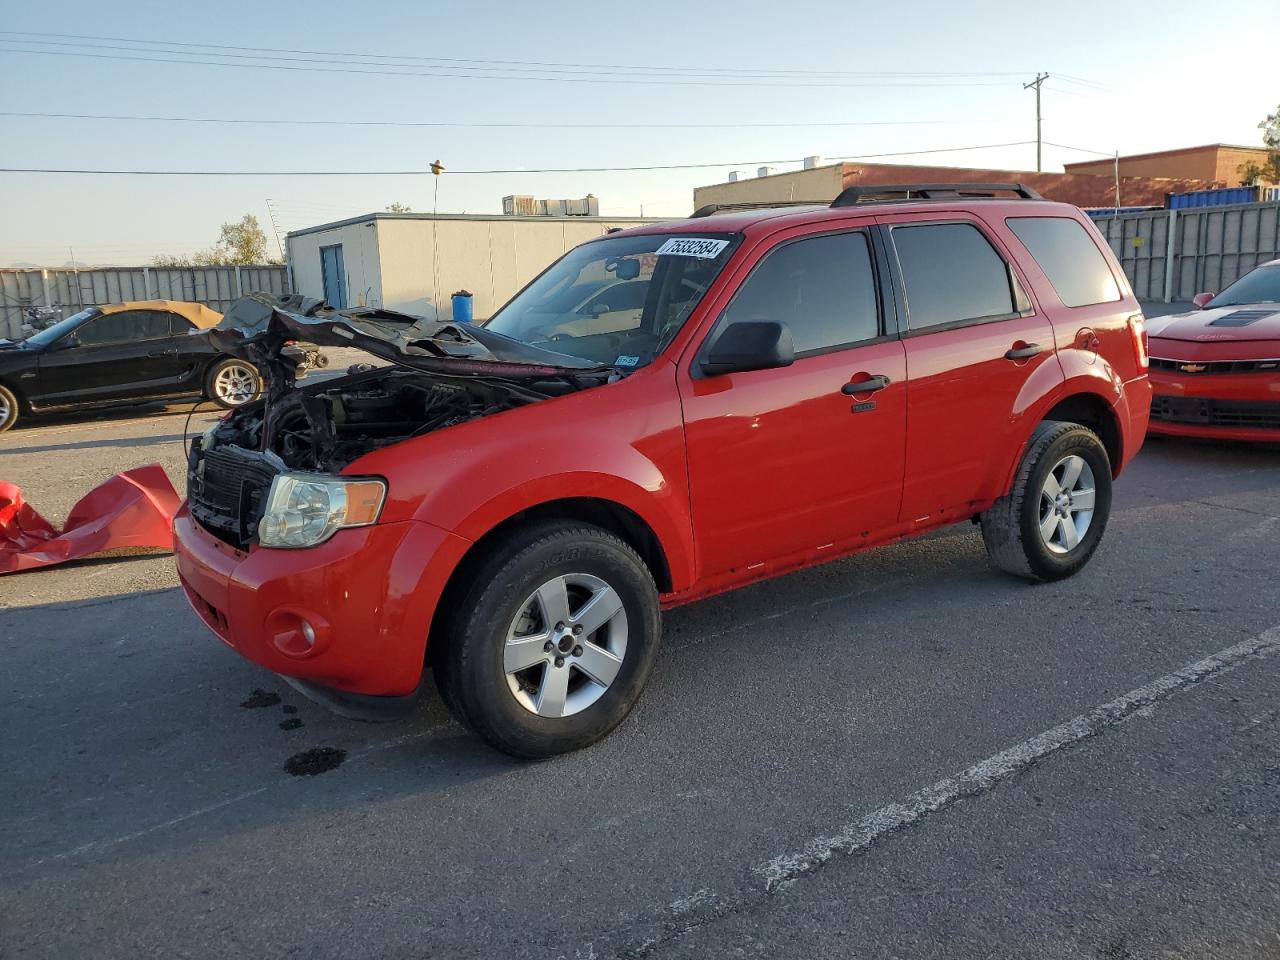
<point>565,645</point>
<point>236,384</point>
<point>1066,504</point>
<point>6,411</point>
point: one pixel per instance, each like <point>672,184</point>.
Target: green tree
<point>398,207</point>
<point>240,244</point>
<point>1269,170</point>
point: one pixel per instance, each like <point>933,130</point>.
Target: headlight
<point>305,509</point>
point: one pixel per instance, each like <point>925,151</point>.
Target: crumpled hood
<point>1257,321</point>
<point>257,327</point>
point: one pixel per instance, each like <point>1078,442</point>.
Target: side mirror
<point>750,345</point>
<point>1201,300</point>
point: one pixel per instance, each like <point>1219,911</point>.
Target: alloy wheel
<point>236,384</point>
<point>1066,504</point>
<point>565,645</point>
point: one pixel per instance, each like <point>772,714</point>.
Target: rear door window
<point>953,275</point>
<point>1069,258</point>
<point>823,288</point>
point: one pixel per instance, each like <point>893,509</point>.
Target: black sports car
<point>120,354</point>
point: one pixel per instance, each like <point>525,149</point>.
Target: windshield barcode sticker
<point>700,247</point>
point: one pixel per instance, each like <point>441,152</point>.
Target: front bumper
<point>368,595</point>
<point>1243,406</point>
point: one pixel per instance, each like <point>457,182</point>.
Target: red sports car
<point>1215,371</point>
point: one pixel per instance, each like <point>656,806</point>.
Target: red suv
<point>665,413</point>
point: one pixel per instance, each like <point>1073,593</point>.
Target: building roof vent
<point>766,171</point>
<point>812,162</point>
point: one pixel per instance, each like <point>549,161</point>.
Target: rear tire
<point>1053,518</point>
<point>549,648</point>
<point>8,408</point>
<point>232,383</point>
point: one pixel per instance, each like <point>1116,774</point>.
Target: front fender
<point>622,443</point>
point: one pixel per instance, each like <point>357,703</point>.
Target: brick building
<point>1220,162</point>
<point>821,184</point>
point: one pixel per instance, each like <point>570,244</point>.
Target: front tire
<point>232,383</point>
<point>8,408</point>
<point>1053,518</point>
<point>551,645</point>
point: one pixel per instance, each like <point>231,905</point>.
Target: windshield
<point>1258,286</point>
<point>46,336</point>
<point>616,301</point>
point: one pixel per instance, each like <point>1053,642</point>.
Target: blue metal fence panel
<point>1213,198</point>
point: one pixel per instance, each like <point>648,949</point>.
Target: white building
<point>414,262</point>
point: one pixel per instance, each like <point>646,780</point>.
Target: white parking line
<point>981,777</point>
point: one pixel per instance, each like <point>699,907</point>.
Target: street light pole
<point>1040,78</point>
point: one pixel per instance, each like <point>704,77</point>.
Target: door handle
<point>162,353</point>
<point>870,385</point>
<point>1024,352</point>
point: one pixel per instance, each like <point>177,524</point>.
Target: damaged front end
<point>442,375</point>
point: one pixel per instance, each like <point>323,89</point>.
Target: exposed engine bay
<point>442,375</point>
<point>326,427</point>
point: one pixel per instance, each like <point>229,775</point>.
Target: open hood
<point>256,328</point>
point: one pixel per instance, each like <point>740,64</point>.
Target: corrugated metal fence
<point>69,291</point>
<point>1175,254</point>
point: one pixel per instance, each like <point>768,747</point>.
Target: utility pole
<point>1040,78</point>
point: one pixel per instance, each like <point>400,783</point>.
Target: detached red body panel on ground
<point>132,509</point>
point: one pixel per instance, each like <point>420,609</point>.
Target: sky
<point>738,83</point>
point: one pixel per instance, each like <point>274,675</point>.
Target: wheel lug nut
<point>546,647</point>
<point>577,628</point>
<point>560,625</point>
<point>577,651</point>
<point>559,661</point>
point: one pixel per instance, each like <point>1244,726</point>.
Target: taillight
<point>1138,330</point>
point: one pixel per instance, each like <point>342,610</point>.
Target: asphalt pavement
<point>902,754</point>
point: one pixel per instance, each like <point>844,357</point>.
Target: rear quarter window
<point>1069,258</point>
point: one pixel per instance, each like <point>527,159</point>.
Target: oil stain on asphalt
<point>317,760</point>
<point>260,698</point>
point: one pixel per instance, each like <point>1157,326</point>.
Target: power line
<point>494,124</point>
<point>513,63</point>
<point>417,173</point>
<point>159,47</point>
<point>645,81</point>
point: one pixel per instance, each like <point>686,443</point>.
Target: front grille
<point>1194,367</point>
<point>1205,411</point>
<point>227,490</point>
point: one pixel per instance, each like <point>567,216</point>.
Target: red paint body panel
<point>740,477</point>
<point>132,509</point>
<point>369,593</point>
<point>1260,387</point>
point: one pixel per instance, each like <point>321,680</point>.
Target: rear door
<point>114,356</point>
<point>973,340</point>
<point>785,466</point>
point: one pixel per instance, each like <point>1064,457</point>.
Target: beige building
<point>414,262</point>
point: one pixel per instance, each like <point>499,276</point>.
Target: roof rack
<point>852,196</point>
<point>710,208</point>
